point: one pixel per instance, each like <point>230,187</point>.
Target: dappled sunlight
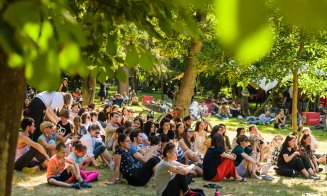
<point>30,181</point>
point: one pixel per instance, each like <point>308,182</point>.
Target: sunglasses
<point>97,132</point>
<point>50,127</point>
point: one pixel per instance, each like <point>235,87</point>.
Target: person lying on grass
<point>58,173</point>
<point>217,164</point>
<point>78,157</point>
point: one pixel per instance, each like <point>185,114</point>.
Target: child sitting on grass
<point>58,174</point>
<point>78,157</point>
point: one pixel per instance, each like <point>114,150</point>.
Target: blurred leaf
<point>102,76</point>
<point>112,44</point>
<point>15,60</point>
<point>7,40</point>
<point>146,61</point>
<point>311,14</point>
<point>120,74</point>
<point>256,46</point>
<point>38,72</point>
<point>46,34</point>
<point>1,3</point>
<point>20,13</point>
<point>69,55</point>
<point>132,58</point>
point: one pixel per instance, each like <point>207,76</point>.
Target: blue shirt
<point>265,119</point>
<point>132,151</point>
<point>75,158</point>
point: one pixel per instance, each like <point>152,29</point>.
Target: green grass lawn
<point>36,184</point>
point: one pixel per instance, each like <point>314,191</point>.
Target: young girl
<point>58,174</point>
<point>172,177</point>
<point>78,157</point>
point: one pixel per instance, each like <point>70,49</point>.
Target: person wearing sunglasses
<point>95,148</point>
<point>48,138</point>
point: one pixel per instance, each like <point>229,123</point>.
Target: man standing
<point>286,101</point>
<point>245,102</point>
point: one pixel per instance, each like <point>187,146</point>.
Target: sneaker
<point>76,185</point>
<point>313,177</point>
<point>29,170</point>
<point>85,185</point>
<point>320,170</point>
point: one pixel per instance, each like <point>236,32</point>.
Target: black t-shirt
<point>102,116</point>
<point>287,95</point>
<point>211,161</point>
<point>284,150</point>
<point>64,129</point>
<point>170,134</point>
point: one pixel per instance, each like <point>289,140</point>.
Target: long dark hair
<point>215,130</point>
<point>302,142</point>
<point>176,131</point>
<point>197,126</point>
<point>287,139</point>
<point>218,142</point>
<point>147,128</point>
<point>238,131</point>
<point>140,120</point>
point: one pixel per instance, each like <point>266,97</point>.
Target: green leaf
<point>44,67</point>
<point>15,60</point>
<point>46,35</point>
<point>102,76</point>
<point>22,12</point>
<point>120,74</point>
<point>69,55</point>
<point>112,45</point>
<point>1,3</point>
<point>7,39</point>
<point>311,14</point>
<point>132,58</point>
<point>146,61</point>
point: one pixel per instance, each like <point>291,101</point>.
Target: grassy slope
<point>35,184</point>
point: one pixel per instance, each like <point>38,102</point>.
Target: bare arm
<point>288,158</point>
<point>46,145</point>
<point>248,158</point>
<point>228,156</point>
<point>51,115</point>
<point>115,175</point>
<point>182,170</point>
<point>35,145</point>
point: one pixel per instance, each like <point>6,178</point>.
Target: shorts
<point>62,177</point>
<point>245,105</point>
<point>241,171</point>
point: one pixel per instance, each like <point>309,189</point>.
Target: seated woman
<point>217,129</point>
<point>135,174</point>
<point>172,177</point>
<point>307,153</point>
<point>224,111</point>
<point>187,145</point>
<point>218,165</point>
<point>314,143</point>
<point>200,136</point>
<point>239,131</point>
<point>226,138</point>
<point>235,109</point>
<point>244,162</point>
<point>280,120</point>
<point>290,158</point>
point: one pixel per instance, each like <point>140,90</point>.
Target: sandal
<point>213,186</point>
<point>241,180</point>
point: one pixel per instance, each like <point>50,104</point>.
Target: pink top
<point>20,152</point>
<point>55,167</point>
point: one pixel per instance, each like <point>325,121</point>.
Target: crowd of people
<point>63,138</point>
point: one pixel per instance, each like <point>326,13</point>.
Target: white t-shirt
<point>53,100</point>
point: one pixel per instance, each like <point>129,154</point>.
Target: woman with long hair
<point>307,152</point>
<point>290,158</point>
<point>187,145</point>
<point>200,136</point>
<point>217,164</point>
<point>239,131</point>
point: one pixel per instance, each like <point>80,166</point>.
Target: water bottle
<point>217,193</point>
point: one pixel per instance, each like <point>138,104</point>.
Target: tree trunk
<point>123,85</point>
<point>294,100</point>
<point>186,90</point>
<point>11,104</point>
<point>133,79</point>
<point>88,90</point>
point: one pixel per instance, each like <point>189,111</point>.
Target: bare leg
<point>59,183</point>
<point>75,170</point>
<point>305,173</point>
<point>106,156</point>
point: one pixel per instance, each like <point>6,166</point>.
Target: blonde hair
<point>45,124</point>
<point>252,139</point>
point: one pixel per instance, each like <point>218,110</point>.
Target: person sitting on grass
<point>307,152</point>
<point>95,148</point>
<point>58,174</point>
<point>244,162</point>
<point>64,127</point>
<point>78,157</point>
<point>289,158</point>
<point>217,164</point>
<point>239,131</point>
<point>280,120</point>
<point>187,145</point>
<point>27,150</point>
<point>172,177</point>
<point>48,138</point>
<point>265,118</point>
<point>224,111</point>
<point>314,143</point>
<point>135,174</point>
<point>263,147</point>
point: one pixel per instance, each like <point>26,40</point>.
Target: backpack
<point>283,171</point>
<point>196,192</point>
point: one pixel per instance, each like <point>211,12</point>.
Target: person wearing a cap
<point>48,138</point>
<point>244,163</point>
<point>187,121</point>
<point>64,86</point>
<point>150,117</point>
